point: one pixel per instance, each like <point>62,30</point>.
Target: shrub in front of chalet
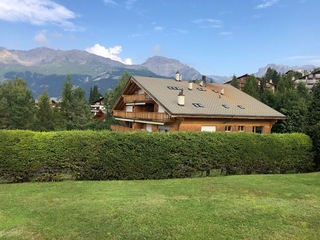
<point>102,155</point>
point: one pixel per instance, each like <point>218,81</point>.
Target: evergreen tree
<point>81,117</point>
<point>272,74</point>
<point>66,101</point>
<point>294,108</point>
<point>112,96</point>
<point>75,109</point>
<point>16,96</point>
<point>234,82</point>
<point>251,87</point>
<point>94,94</point>
<point>4,113</point>
<point>313,122</point>
<point>44,114</point>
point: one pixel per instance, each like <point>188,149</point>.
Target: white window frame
<point>208,128</point>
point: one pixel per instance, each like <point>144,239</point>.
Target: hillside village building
<point>310,80</point>
<point>163,105</point>
<point>98,109</point>
<point>242,80</point>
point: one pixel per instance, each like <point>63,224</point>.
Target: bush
<point>100,155</point>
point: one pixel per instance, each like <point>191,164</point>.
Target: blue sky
<point>216,37</point>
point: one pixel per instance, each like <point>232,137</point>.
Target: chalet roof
<point>312,74</point>
<point>233,102</point>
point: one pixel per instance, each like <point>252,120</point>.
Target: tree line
<point>300,105</point>
<point>19,109</point>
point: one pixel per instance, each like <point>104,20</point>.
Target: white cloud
<point>266,4</point>
<point>129,4</point>
<point>37,12</point>
<point>110,2</point>
<point>57,35</point>
<point>158,29</point>
<point>315,60</point>
<point>41,38</point>
<point>208,23</point>
<point>112,53</point>
<point>225,33</point>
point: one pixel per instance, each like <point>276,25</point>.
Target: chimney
<point>222,91</point>
<point>181,98</point>
<point>203,82</point>
<point>190,84</point>
<point>178,76</point>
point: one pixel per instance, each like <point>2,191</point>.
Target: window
<point>241,107</point>
<point>173,88</point>
<point>257,129</point>
<point>164,128</point>
<point>208,128</point>
<point>214,90</point>
<point>200,89</point>
<point>227,128</point>
<point>129,108</point>
<point>225,106</point>
<point>198,105</point>
<point>240,128</point>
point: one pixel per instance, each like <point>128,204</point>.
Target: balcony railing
<point>123,128</point>
<point>136,98</point>
<point>142,115</point>
<point>312,81</point>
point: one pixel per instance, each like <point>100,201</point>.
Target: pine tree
<point>313,122</point>
<point>81,116</point>
<point>4,113</point>
<point>234,82</point>
<point>44,115</point>
<point>19,100</point>
<point>66,101</point>
<point>112,96</point>
<point>272,74</point>
<point>94,94</point>
<point>251,87</point>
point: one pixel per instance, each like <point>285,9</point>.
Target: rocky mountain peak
<point>168,67</point>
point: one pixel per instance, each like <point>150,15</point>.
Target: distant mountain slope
<point>45,68</point>
<point>168,67</point>
<point>283,68</point>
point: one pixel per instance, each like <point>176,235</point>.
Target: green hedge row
<point>100,155</point>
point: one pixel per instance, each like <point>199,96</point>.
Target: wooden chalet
<point>242,80</point>
<point>310,80</point>
<point>98,109</point>
<point>163,105</point>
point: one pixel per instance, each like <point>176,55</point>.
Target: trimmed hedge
<point>102,155</point>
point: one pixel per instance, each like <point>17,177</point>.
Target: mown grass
<point>233,207</point>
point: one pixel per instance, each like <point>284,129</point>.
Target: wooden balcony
<point>153,116</point>
<point>312,81</point>
<point>123,128</point>
<point>136,98</point>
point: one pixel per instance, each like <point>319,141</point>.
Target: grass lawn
<point>232,207</point>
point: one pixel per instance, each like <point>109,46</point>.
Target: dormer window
<point>173,88</point>
<point>201,89</point>
<point>198,105</point>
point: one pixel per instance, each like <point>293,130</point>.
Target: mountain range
<point>46,69</point>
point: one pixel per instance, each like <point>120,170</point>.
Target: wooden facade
<point>242,80</point>
<point>156,109</point>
